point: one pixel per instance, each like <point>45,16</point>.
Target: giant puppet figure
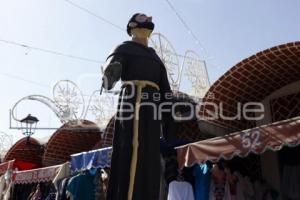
<point>135,167</point>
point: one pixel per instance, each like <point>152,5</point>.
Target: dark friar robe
<point>135,166</point>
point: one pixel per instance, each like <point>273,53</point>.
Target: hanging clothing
<point>37,195</point>
<point>2,186</point>
<point>202,176</point>
<point>51,194</point>
<point>219,188</point>
<point>163,193</point>
<point>62,189</point>
<point>23,191</point>
<point>98,181</point>
<point>246,186</point>
<point>82,187</point>
<point>239,187</point>
<point>263,191</point>
<point>180,190</point>
<point>64,172</point>
<point>291,181</point>
<point>232,181</point>
<point>135,165</point>
<point>7,193</point>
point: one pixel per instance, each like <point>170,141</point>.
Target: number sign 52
<point>251,140</point>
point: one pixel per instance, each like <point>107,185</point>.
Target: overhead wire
<point>25,80</point>
<point>50,51</point>
<point>79,57</point>
<point>109,22</point>
<point>189,30</point>
<point>83,58</point>
<point>95,15</point>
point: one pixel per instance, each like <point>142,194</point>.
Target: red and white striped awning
<point>36,175</point>
<point>257,140</point>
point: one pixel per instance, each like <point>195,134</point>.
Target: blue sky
<point>230,31</point>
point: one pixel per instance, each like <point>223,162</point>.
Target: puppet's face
<point>140,26</point>
<point>140,33</point>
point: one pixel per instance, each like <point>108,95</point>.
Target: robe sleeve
<point>167,97</point>
<point>113,70</point>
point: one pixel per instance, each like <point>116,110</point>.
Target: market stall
<point>99,158</point>
<point>16,165</point>
<point>38,182</point>
<point>89,176</point>
<point>6,166</point>
<point>225,178</point>
<point>257,140</point>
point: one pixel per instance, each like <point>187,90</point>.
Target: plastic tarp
<point>100,158</point>
<point>257,140</point>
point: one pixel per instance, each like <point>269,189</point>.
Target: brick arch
<point>252,80</point>
<point>189,131</point>
<point>23,151</point>
<point>71,138</point>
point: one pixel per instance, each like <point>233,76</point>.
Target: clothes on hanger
<point>202,176</point>
<point>290,181</point>
<point>180,190</point>
<point>7,192</point>
<point>98,181</point>
<point>232,181</point>
<point>219,188</point>
<point>62,189</point>
<point>2,186</point>
<point>163,193</point>
<point>82,186</point>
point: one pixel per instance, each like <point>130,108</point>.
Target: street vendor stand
<point>253,142</point>
<point>38,181</point>
<point>99,158</point>
<point>271,137</point>
<point>90,171</point>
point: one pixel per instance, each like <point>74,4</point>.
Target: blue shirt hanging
<point>82,186</point>
<point>202,176</point>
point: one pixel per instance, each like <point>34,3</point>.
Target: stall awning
<point>6,166</point>
<point>36,175</point>
<point>92,159</point>
<point>257,140</point>
<point>17,164</point>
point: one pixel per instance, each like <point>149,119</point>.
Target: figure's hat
<point>133,23</point>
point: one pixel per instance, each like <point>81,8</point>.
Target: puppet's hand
<point>111,75</point>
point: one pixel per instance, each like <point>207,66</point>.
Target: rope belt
<point>135,139</point>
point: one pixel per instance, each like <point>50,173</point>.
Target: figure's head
<point>140,26</point>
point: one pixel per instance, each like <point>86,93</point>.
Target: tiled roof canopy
<point>108,134</point>
<point>71,138</point>
<point>23,151</point>
<point>252,80</point>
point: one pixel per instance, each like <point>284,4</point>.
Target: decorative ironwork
<point>169,57</point>
<point>6,141</point>
<point>195,70</point>
<point>102,107</point>
<point>69,99</point>
<point>192,67</point>
<point>42,99</point>
<point>68,102</point>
